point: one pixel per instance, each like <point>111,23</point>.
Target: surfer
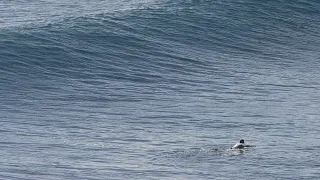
<point>240,145</point>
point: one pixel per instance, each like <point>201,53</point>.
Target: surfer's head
<point>241,141</point>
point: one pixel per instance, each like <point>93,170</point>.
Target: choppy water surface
<point>159,89</point>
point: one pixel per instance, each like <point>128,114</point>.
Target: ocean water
<point>159,89</point>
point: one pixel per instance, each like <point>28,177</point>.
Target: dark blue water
<point>146,89</point>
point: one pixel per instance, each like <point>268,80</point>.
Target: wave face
<point>110,87</point>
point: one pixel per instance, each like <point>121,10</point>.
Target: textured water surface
<point>146,89</point>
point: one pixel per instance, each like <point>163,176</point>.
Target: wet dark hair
<point>241,141</point>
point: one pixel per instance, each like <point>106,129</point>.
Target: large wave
<point>160,42</point>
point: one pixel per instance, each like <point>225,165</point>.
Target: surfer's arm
<point>249,146</point>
